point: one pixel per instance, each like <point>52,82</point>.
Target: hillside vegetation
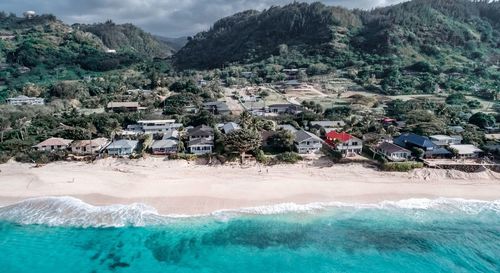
<point>128,38</point>
<point>420,46</point>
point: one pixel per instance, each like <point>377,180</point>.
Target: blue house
<point>122,147</point>
<point>411,140</point>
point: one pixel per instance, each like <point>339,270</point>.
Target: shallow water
<point>410,236</point>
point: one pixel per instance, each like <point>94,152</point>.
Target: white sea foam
<point>69,211</point>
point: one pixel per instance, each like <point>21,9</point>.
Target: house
<point>165,147</point>
<point>467,151</point>
<point>122,147</point>
<point>202,131</point>
<point>442,140</point>
<point>307,143</point>
<point>217,108</point>
<point>229,127</point>
<point>284,109</point>
<point>153,126</point>
<point>266,136</point>
<point>53,144</point>
<point>201,146</point>
<point>89,147</point>
<point>376,138</point>
<point>344,143</point>
<point>201,140</point>
<point>119,107</point>
<point>169,144</point>
<point>393,152</point>
<point>411,140</point>
<point>328,125</point>
<point>456,129</point>
<point>24,100</point>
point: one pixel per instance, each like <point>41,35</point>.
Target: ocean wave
<point>69,211</point>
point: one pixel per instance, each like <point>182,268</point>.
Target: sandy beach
<point>180,187</point>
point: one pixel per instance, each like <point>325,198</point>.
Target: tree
<point>457,98</point>
<point>482,120</point>
<point>282,141</point>
<point>4,127</point>
<point>242,141</point>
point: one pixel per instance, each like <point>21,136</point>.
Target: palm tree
<point>4,127</point>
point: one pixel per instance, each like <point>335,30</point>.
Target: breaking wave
<point>69,211</point>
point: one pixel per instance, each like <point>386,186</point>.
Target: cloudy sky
<point>171,18</point>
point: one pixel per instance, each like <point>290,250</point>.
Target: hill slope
<point>417,30</point>
<point>128,37</point>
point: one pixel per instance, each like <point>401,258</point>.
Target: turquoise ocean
<point>418,235</point>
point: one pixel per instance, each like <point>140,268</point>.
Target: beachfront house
<point>431,150</point>
<point>24,100</point>
<point>169,144</point>
<point>442,140</point>
<point>393,152</point>
<point>89,147</point>
<point>122,147</point>
<point>217,108</point>
<point>53,144</point>
<point>201,140</point>
<point>165,146</point>
<point>307,143</point>
<point>467,150</point>
<point>345,143</point>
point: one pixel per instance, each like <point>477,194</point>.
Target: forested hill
<point>451,31</point>
<point>127,37</point>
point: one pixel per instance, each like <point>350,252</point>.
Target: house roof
<point>283,105</point>
<point>220,105</point>
<point>94,142</point>
<point>466,149</point>
<point>171,134</point>
<point>392,148</point>
<point>161,121</point>
<point>200,142</point>
<point>54,141</point>
<point>328,123</point>
<point>342,136</point>
<point>164,143</point>
<point>414,139</point>
<point>201,130</point>
<point>230,126</point>
<point>123,143</point>
<point>126,104</point>
<point>304,135</point>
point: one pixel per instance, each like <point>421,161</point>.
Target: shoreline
<point>186,188</point>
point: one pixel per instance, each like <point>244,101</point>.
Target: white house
<point>24,100</point>
<point>53,144</point>
<point>467,150</point>
<point>393,152</point>
<point>201,140</point>
<point>122,147</point>
<point>89,147</point>
<point>442,140</point>
<point>344,143</point>
<point>153,126</point>
<point>307,143</point>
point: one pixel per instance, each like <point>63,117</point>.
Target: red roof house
<point>334,137</point>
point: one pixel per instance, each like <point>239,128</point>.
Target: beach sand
<point>181,187</point>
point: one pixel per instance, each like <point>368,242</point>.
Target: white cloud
<point>164,17</point>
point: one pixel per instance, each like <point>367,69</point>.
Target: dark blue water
<point>450,236</point>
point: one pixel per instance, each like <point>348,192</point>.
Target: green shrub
<point>289,157</point>
<point>401,166</point>
<point>261,157</point>
<point>181,156</point>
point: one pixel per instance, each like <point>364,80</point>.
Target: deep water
<point>338,239</point>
